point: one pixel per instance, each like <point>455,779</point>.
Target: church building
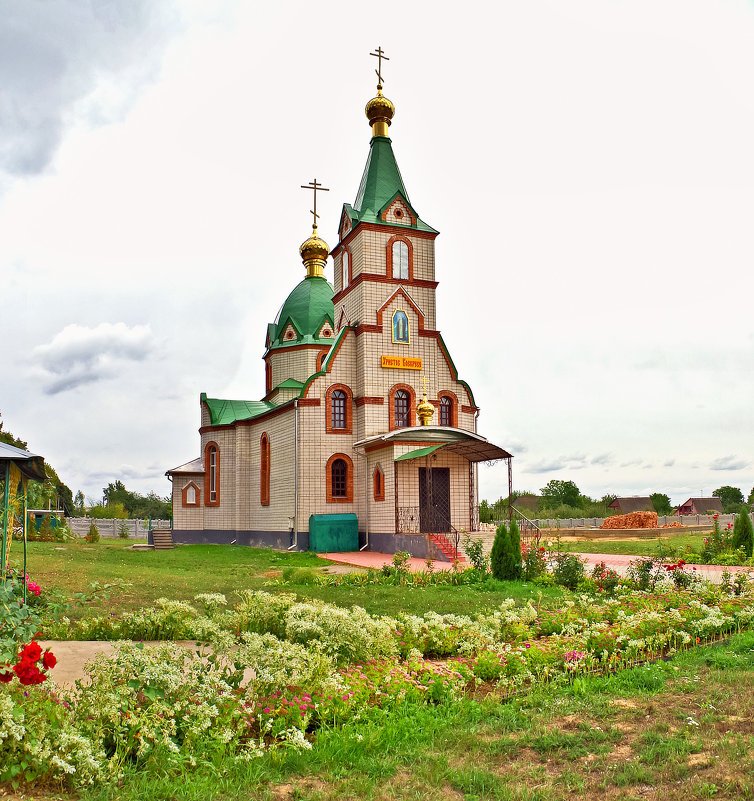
<point>364,421</point>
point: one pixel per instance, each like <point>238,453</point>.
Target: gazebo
<point>16,468</point>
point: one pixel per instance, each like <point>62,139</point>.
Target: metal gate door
<point>434,500</point>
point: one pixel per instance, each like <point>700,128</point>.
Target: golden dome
<point>379,111</point>
<point>425,410</point>
<point>314,252</point>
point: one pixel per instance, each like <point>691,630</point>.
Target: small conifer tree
<point>499,553</point>
<point>93,535</point>
<point>743,532</point>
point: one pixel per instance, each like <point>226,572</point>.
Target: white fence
<point>110,527</point>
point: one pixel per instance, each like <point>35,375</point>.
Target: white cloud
<point>78,355</point>
<point>729,463</point>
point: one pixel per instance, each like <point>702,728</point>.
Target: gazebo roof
<point>467,444</point>
<point>31,465</point>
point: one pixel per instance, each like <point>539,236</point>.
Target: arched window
<point>339,479</point>
<point>402,403</point>
<point>401,406</point>
<point>338,409</point>
<point>447,409</point>
<point>264,470</point>
<point>444,417</point>
<point>346,267</point>
<point>268,377</point>
<point>211,474</point>
<point>191,494</point>
<point>400,259</point>
<point>378,484</point>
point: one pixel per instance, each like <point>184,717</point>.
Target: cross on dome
<point>380,55</point>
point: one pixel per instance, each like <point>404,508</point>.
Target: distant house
<point>625,506</point>
<point>700,506</point>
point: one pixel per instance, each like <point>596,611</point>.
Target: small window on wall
<point>400,259</point>
<point>346,267</point>
<point>338,408</point>
<point>211,474</point>
<point>339,479</point>
<point>378,484</point>
<point>445,417</point>
<point>264,470</point>
<point>191,494</point>
<point>402,403</point>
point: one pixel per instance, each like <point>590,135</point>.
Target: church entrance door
<point>434,500</point>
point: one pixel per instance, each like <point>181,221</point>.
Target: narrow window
<point>211,474</point>
<point>402,403</point>
<point>191,495</point>
<point>345,269</point>
<point>338,408</point>
<point>445,416</point>
<point>400,259</point>
<point>339,479</point>
<point>378,484</point>
<point>264,470</point>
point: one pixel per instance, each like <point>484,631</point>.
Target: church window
<point>346,268</point>
<point>378,484</point>
<point>211,474</point>
<point>444,411</point>
<point>400,259</point>
<point>190,495</point>
<point>402,406</point>
<point>339,479</point>
<point>268,377</point>
<point>338,409</point>
<point>264,470</point>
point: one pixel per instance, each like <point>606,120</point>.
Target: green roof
<point>223,412</point>
<point>418,453</point>
<point>290,383</point>
<point>307,309</point>
<point>380,184</point>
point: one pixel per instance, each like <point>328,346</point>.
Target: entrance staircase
<point>162,539</point>
<point>448,548</point>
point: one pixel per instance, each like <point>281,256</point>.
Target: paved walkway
<point>376,560</point>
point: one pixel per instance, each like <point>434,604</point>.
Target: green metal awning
<point>418,453</point>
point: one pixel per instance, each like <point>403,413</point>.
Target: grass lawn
<point>188,570</point>
<point>671,544</point>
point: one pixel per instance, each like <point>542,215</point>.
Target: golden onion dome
<point>314,252</point>
<point>425,410</point>
<point>380,111</point>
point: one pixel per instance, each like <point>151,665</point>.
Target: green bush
<point>93,535</point>
<point>123,530</point>
<point>499,552</point>
<point>569,570</point>
<point>743,533</point>
<point>515,538</point>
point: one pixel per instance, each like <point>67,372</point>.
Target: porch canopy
<point>471,446</point>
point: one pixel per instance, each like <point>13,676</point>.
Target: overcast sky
<point>589,165</point>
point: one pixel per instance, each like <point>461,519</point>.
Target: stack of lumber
<point>631,520</point>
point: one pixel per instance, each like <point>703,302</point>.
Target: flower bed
<point>313,665</point>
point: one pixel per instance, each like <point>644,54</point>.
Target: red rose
<point>49,660</point>
<point>31,652</point>
<point>6,676</point>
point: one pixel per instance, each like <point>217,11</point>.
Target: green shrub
<point>743,533</point>
<point>475,551</point>
<point>499,552</point>
<point>515,550</point>
<point>123,530</point>
<point>569,570</point>
<point>93,535</point>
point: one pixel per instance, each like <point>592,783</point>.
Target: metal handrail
<point>525,525</point>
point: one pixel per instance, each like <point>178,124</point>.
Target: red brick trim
<point>267,376</point>
<point>349,410</point>
<point>380,278</point>
<point>197,496</point>
<point>469,409</point>
<point>287,348</point>
<point>377,446</point>
<point>411,403</point>
<point>349,479</point>
<point>389,257</point>
<point>378,484</point>
<point>403,203</point>
<point>446,393</point>
<point>384,228</point>
<point>366,328</point>
<point>321,356</point>
<point>208,474</point>
<point>410,302</point>
<point>369,400</point>
<point>309,402</point>
<point>264,470</point>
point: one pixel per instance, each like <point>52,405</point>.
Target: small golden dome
<point>425,410</point>
<point>380,111</point>
<point>314,252</point>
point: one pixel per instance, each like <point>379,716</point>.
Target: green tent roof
<point>380,184</point>
<point>418,453</point>
<point>223,412</point>
<point>307,308</point>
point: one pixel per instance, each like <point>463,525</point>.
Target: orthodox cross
<point>313,185</point>
<point>380,54</point>
<point>424,383</point>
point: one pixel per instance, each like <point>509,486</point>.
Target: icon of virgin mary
<point>400,326</point>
